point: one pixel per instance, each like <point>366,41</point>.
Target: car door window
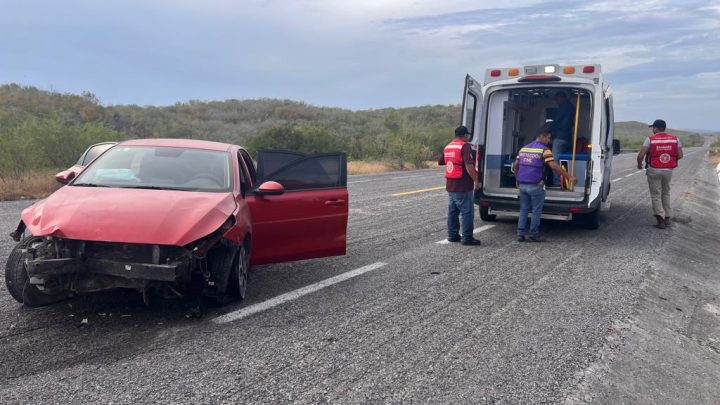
<point>270,161</point>
<point>305,172</point>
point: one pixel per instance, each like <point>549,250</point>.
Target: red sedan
<point>171,216</point>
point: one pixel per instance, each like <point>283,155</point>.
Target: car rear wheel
<point>591,220</point>
<point>18,282</point>
<point>485,214</point>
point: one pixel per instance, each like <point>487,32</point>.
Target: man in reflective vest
<point>529,167</point>
<point>661,153</point>
<point>461,180</point>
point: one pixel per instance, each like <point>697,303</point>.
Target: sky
<point>662,58</point>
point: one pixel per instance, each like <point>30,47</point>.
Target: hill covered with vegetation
<point>45,129</point>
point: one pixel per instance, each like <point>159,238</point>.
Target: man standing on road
<point>461,180</point>
<point>529,167</point>
<point>661,153</point>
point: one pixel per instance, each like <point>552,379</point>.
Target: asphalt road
<point>505,322</point>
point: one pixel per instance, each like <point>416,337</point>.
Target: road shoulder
<point>669,351</point>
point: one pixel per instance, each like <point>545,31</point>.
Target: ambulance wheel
<point>485,214</point>
<point>591,220</point>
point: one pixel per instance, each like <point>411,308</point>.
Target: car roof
<point>179,143</point>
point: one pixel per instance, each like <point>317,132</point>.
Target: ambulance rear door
<point>472,110</point>
<point>607,147</point>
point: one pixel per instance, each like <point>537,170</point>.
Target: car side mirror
<point>616,146</point>
<point>65,176</point>
<point>270,188</point>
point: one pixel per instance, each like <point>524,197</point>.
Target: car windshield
<point>155,167</point>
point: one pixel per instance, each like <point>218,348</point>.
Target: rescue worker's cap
<point>658,124</point>
<point>461,131</point>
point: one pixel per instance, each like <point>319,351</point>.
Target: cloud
<point>355,53</point>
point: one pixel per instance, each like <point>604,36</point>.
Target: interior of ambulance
<point>515,115</point>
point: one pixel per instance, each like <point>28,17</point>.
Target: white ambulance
<point>504,114</point>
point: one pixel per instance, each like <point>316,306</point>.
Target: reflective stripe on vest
<point>663,151</point>
<point>453,159</point>
<point>530,163</point>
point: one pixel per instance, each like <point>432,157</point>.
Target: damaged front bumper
<point>81,266</point>
<point>141,271</point>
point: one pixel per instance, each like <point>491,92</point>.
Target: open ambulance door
<point>472,110</point>
<point>607,146</point>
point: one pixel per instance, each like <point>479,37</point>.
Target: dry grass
<point>35,184</point>
<point>715,152</point>
<point>41,183</point>
<point>362,167</point>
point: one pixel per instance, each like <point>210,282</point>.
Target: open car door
<point>303,214</point>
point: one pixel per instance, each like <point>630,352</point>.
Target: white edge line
<point>281,299</point>
<point>475,231</point>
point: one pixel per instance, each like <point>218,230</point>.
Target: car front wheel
<point>240,273</point>
<point>18,283</point>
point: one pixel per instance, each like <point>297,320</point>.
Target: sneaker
<point>667,221</point>
<point>454,239</point>
<point>471,242</point>
<point>521,238</point>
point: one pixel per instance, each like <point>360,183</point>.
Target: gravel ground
<point>507,322</point>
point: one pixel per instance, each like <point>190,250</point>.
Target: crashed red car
<point>172,216</point>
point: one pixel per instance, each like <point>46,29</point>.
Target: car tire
<point>221,262</point>
<point>239,277</point>
<point>18,283</point>
<point>591,220</point>
<point>236,260</point>
<point>485,214</point>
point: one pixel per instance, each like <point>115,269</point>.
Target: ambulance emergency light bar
<point>542,72</point>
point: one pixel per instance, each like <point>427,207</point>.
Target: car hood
<point>163,217</point>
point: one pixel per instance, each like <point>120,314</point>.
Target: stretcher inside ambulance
<point>505,113</point>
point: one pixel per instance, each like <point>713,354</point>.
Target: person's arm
<point>680,151</point>
<point>470,166</point>
<point>643,152</point>
<point>473,174</point>
<point>561,171</point>
<point>441,160</point>
<point>641,156</point>
<point>515,165</point>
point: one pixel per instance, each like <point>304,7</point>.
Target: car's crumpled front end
<point>85,266</point>
<point>155,240</point>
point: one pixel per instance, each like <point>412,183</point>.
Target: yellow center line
<point>417,191</point>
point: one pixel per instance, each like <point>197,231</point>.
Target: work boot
<point>667,221</point>
<point>660,222</point>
